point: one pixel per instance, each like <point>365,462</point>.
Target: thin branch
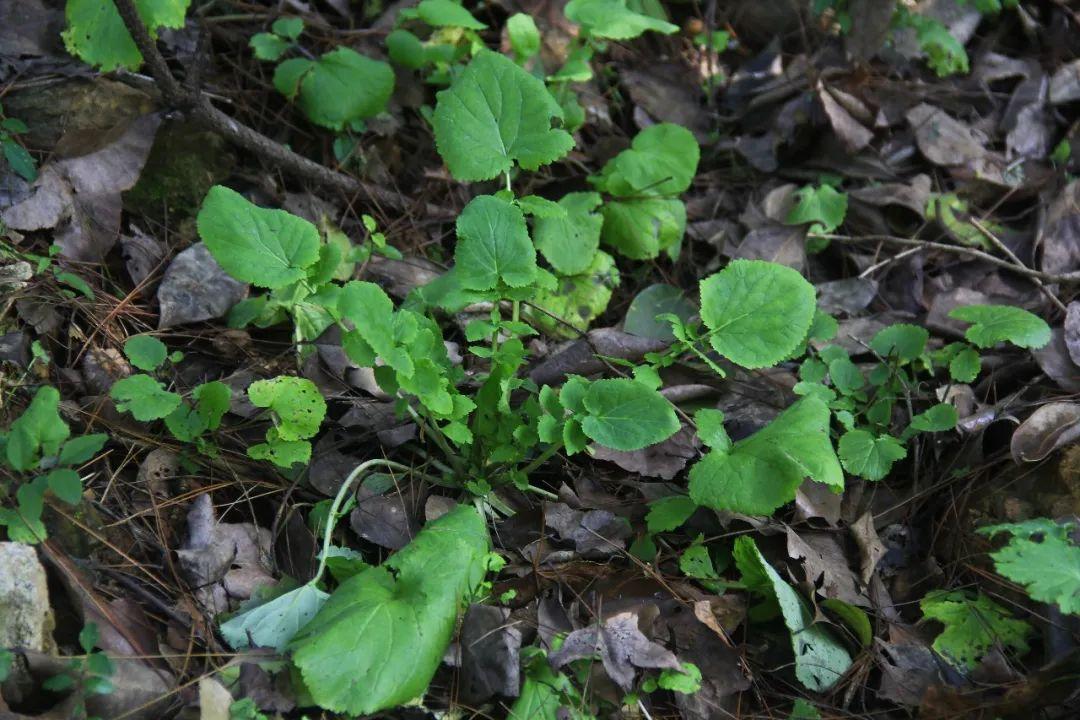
<point>249,139</point>
<point>1012,256</point>
<point>1064,279</point>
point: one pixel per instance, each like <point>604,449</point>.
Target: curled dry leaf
<point>621,645</point>
<point>1051,426</point>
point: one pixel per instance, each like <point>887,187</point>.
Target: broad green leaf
<point>973,627</point>
<point>493,115</point>
<point>659,299</point>
<point>144,397</point>
<point>660,162</point>
<point>1041,557</point>
<point>668,513</point>
<point>274,624</point>
<point>627,415</point>
<point>212,402</point>
<point>493,245</point>
<point>902,341</point>
<point>846,376</point>
<point>944,53</point>
<point>283,453</point>
<point>570,242</point>
<point>295,401</point>
<point>763,471</point>
<point>820,659</point>
<point>710,429</point>
<point>758,312</point>
<point>576,300</point>
<point>542,690</point>
<point>524,37</point>
<point>288,27</point>
<point>268,248</point>
<point>1002,323</point>
<point>145,352</point>
<point>65,484</point>
<point>338,88</point>
<point>38,432</point>
<point>822,207</point>
<point>965,365</point>
<point>695,562</point>
<point>854,617</point>
<point>369,308</point>
<point>268,46</point>
<point>939,418</point>
<point>96,33</point>
<point>613,20</point>
<point>379,639</point>
<point>540,207</point>
<point>78,450</point>
<point>447,13</point>
<point>869,456</point>
<point>641,229</point>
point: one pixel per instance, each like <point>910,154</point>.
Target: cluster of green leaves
<point>86,675</point>
<point>451,36</point>
<point>16,155</point>
<point>44,458</point>
<point>96,33</point>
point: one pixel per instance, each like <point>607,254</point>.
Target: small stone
<point>26,618</point>
<point>195,288</point>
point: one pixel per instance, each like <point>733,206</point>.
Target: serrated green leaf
<point>493,115</point>
<point>96,33</point>
<point>540,207</point>
<point>1002,323</point>
<point>340,87</point>
<point>758,312</point>
<point>378,640</point>
<point>613,20</point>
<point>1041,557</point>
<point>295,401</point>
<point>447,13</point>
<point>820,659</point>
<point>38,432</point>
<point>524,37</point>
<point>641,229</point>
<point>822,207</point>
<point>710,429</point>
<point>570,242</point>
<point>493,245</point>
<point>965,365</point>
<point>846,376</point>
<point>627,415</point>
<point>763,471</point>
<point>268,248</point>
<point>869,456</point>
<point>660,162</point>
<point>939,418</point>
<point>902,341</point>
<point>144,397</point>
<point>275,623</point>
<point>668,513</point>
<point>145,352</point>
<point>972,627</point>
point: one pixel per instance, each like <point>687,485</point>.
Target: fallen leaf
<point>871,549</point>
<point>824,561</point>
<point>942,139</point>
<point>143,254</point>
<point>214,700</point>
<point>621,646</point>
<point>1051,426</point>
<point>489,654</point>
<point>1072,330</point>
<point>1065,83</point>
<point>852,133</point>
<point>195,288</point>
<point>594,533</point>
<point>389,520</point>
<point>663,460</point>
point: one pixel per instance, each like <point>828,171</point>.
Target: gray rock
<point>26,618</point>
<point>195,288</point>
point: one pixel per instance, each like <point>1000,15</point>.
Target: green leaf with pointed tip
<point>268,248</point>
<point>613,20</point>
<point>710,429</point>
<point>96,33</point>
<point>973,627</point>
<point>627,415</point>
<point>295,401</point>
<point>406,49</point>
<point>869,456</point>
<point>379,639</point>
<point>145,352</point>
<point>65,484</point>
<point>447,13</point>
<point>20,160</point>
<point>369,308</point>
<point>758,312</point>
<point>763,471</point>
<point>493,115</point>
<point>820,659</point>
<point>275,623</point>
<point>493,245</point>
<point>38,432</point>
<point>902,341</point>
<point>570,242</point>
<point>144,397</point>
<point>1002,323</point>
<point>668,513</point>
<point>340,87</point>
<point>1041,557</point>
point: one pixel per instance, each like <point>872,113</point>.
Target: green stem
<point>335,506</point>
<point>542,458</point>
<point>515,313</point>
<point>439,440</point>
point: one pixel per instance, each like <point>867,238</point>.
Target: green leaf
<point>758,312</point>
<point>569,243</point>
<point>642,317</point>
<point>846,376</point>
<point>378,640</point>
<point>803,710</point>
<point>1002,323</point>
<point>369,308</point>
<point>76,283</point>
<point>902,341</point>
<point>763,471</point>
<point>613,20</point>
<point>696,563</point>
<point>80,449</point>
<point>212,402</point>
<point>710,429</point>
<point>854,617</point>
<point>944,53</point>
<point>627,415</point>
<point>1041,557</point>
<point>145,352</point>
<point>275,623</point>
<point>295,401</point>
<point>493,115</point>
<point>268,248</point>
<point>540,207</point>
<point>96,33</point>
<point>493,245</point>
<point>576,299</point>
<point>972,627</point>
<point>288,27</point>
<point>268,46</point>
<point>38,432</point>
<point>406,49</point>
<point>65,484</point>
<point>21,161</point>
<point>668,513</point>
<point>939,418</point>
<point>144,397</point>
<point>869,456</point>
<point>965,365</point>
<point>640,229</point>
<point>660,162</point>
<point>822,207</point>
<point>283,453</point>
<point>340,87</point>
<point>446,13</point>
<point>524,37</point>
<point>820,659</point>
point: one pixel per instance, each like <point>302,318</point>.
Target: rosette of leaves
<point>43,459</point>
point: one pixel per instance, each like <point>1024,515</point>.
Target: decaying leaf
<point>621,645</point>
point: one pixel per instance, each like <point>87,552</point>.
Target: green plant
<point>1042,556</point>
<point>451,36</point>
<point>96,33</point>
<point>16,155</point>
<point>42,456</point>
<point>86,675</point>
<point>972,626</point>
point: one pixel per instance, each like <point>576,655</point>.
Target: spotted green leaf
<point>972,627</point>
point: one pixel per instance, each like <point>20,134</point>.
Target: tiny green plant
<point>16,155</point>
<point>84,676</point>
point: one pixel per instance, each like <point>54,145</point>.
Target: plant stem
<point>335,506</point>
<point>542,458</point>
